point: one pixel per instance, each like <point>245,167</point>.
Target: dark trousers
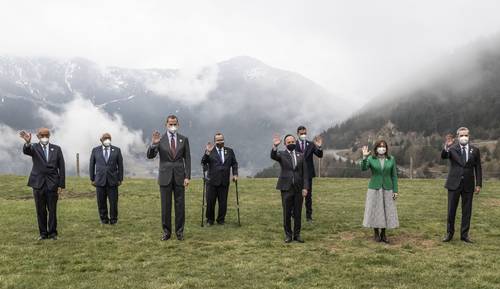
<point>453,198</point>
<point>308,201</point>
<point>291,201</point>
<point>46,205</point>
<point>166,207</point>
<point>217,194</point>
<point>103,195</point>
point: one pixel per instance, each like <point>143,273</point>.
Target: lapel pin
<point>52,149</point>
<point>180,140</point>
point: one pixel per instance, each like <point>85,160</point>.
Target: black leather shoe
<point>383,237</point>
<point>40,238</point>
<point>467,240</point>
<point>113,222</point>
<point>298,239</point>
<point>54,237</point>
<point>288,239</point>
<point>104,222</point>
<point>165,237</point>
<point>448,237</point>
<point>180,237</point>
<point>221,222</point>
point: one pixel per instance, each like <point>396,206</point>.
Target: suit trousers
<point>166,207</point>
<point>291,201</point>
<point>103,195</point>
<point>46,206</point>
<point>453,199</point>
<point>214,194</point>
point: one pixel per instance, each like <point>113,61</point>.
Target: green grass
<point>338,252</point>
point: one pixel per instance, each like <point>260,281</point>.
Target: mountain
<point>242,97</point>
<point>462,89</point>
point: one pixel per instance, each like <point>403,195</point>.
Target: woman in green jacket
<point>380,207</point>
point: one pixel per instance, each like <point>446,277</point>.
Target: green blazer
<point>386,177</point>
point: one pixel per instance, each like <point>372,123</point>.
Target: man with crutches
<point>220,160</point>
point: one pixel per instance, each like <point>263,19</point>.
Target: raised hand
<point>26,136</point>
<point>304,193</point>
<point>276,140</point>
<point>155,138</point>
<point>365,151</point>
<point>209,147</point>
<point>318,140</point>
<point>449,140</point>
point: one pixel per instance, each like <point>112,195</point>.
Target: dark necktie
<point>293,160</point>
<point>46,152</point>
<point>464,155</point>
<point>172,144</point>
<point>106,154</point>
<point>220,155</point>
<point>303,146</point>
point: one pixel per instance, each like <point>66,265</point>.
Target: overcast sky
<point>353,48</point>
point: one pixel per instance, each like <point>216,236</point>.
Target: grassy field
<point>338,252</point>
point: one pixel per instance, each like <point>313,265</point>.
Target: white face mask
<point>464,140</point>
<point>172,129</point>
<point>106,142</point>
<point>44,140</point>
<point>303,136</point>
<point>381,150</point>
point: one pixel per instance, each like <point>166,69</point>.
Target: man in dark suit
<point>47,179</point>
<point>309,149</point>
<point>293,182</point>
<point>464,178</point>
<point>220,161</point>
<point>174,174</point>
<point>106,174</point>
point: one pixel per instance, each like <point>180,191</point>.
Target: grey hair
<point>463,128</point>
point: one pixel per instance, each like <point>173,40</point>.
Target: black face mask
<point>220,145</point>
<point>290,147</point>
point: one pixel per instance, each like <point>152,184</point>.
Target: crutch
<point>204,168</point>
<point>237,202</point>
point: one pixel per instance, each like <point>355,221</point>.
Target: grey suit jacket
<point>172,167</point>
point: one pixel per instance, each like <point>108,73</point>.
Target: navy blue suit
<point>45,178</point>
<point>219,174</point>
<point>107,176</point>
<point>309,151</point>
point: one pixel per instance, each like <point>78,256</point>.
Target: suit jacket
<point>382,177</point>
<point>106,173</point>
<point>289,176</point>
<point>470,172</point>
<point>172,167</point>
<point>218,172</point>
<point>51,172</point>
<point>310,150</point>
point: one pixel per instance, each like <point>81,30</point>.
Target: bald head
<point>43,132</point>
<point>106,135</point>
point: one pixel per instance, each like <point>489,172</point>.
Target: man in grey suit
<point>293,182</point>
<point>174,174</point>
<point>106,174</point>
<point>47,178</point>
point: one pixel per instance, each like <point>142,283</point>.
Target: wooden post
<point>319,167</point>
<point>411,168</point>
<point>77,164</point>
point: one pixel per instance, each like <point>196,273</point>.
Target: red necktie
<point>172,144</point>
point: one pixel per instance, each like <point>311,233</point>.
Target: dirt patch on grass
<point>491,202</point>
<point>412,241</point>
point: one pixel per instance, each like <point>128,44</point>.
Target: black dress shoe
<point>467,240</point>
<point>165,237</point>
<point>113,222</point>
<point>104,222</point>
<point>40,238</point>
<point>180,237</point>
<point>221,222</point>
<point>54,237</point>
<point>448,237</point>
<point>288,239</point>
<point>298,239</point>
